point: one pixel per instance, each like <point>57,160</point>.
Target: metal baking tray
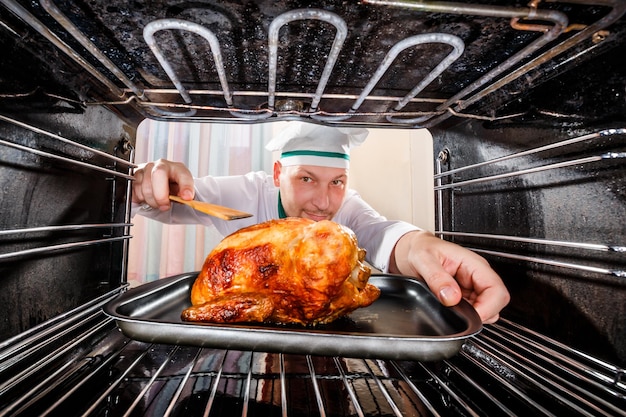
<point>407,322</point>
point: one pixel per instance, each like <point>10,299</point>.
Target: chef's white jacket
<point>256,193</point>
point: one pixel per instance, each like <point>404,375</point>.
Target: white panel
<point>393,172</point>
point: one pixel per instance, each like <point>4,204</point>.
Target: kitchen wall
<point>393,172</point>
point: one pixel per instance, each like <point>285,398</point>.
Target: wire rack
<point>82,365</point>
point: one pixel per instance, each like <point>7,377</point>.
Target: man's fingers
<point>451,272</point>
<point>137,196</point>
<point>440,282</point>
<point>156,181</point>
<point>184,180</point>
<point>160,182</point>
<point>145,186</point>
<point>490,302</point>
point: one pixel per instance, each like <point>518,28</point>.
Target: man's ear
<point>277,168</point>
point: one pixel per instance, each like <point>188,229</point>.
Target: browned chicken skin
<point>292,270</point>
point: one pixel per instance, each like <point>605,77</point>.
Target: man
<point>311,180</point>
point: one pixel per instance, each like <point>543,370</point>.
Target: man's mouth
<point>317,216</point>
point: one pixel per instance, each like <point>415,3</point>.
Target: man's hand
<point>156,181</point>
<point>451,272</point>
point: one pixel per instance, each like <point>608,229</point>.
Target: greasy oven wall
<point>62,223</point>
<point>564,206</point>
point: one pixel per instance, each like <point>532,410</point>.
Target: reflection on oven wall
<point>392,170</point>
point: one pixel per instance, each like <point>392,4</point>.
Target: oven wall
<point>584,203</point>
<point>40,191</point>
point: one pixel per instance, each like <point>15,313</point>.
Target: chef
<point>310,179</point>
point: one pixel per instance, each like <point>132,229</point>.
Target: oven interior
<point>526,105</point>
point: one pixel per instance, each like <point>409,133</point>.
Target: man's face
<point>311,191</point>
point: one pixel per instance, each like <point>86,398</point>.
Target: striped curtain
<point>158,250</point>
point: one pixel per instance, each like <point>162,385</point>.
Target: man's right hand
<point>156,181</point>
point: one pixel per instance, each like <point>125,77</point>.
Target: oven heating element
<point>553,25</point>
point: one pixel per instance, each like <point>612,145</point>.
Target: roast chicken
<point>289,271</point>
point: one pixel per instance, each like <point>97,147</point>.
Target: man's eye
<point>307,179</point>
<point>338,182</point>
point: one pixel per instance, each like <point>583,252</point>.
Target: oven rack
<point>81,364</point>
<point>62,246</point>
<point>548,24</point>
<point>607,133</point>
<point>112,232</point>
<point>64,141</point>
<point>616,251</point>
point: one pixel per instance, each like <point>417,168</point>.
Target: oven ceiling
<point>375,63</point>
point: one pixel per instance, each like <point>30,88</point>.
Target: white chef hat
<point>310,144</point>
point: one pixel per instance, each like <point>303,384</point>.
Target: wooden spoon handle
<point>214,210</point>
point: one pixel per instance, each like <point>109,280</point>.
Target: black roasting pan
<point>407,322</point>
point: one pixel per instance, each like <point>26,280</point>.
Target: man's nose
<point>321,200</point>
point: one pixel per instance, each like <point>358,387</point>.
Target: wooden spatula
<point>214,210</point>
